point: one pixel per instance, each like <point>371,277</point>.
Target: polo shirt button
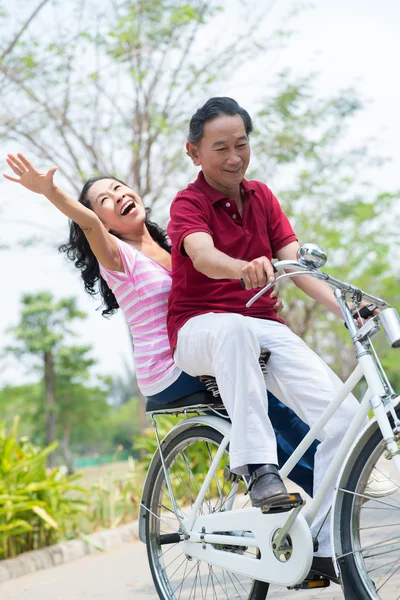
<point>228,204</point>
<point>234,216</point>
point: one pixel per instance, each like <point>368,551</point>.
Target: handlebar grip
<point>366,311</point>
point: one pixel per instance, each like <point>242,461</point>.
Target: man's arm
<point>318,290</point>
<point>217,265</point>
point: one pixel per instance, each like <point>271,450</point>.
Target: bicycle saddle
<point>199,401</point>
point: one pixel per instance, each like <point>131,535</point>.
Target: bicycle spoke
<point>170,547</point>
<point>201,586</point>
<point>215,575</point>
<point>184,579</point>
<point>393,562</point>
<point>172,561</point>
<point>362,549</point>
<point>187,466</point>
<point>397,506</point>
<point>390,576</point>
<point>378,553</point>
<point>233,583</point>
<point>379,526</point>
<point>239,582</point>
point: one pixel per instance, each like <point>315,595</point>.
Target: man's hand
<point>360,320</point>
<point>28,176</point>
<point>257,273</point>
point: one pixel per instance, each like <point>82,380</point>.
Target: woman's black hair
<point>78,250</point>
<point>213,108</point>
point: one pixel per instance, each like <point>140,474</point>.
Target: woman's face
<point>118,207</point>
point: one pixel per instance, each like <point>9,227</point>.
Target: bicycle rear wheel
<point>177,576</point>
<point>370,528</point>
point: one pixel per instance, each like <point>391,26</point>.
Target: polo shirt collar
<point>214,195</point>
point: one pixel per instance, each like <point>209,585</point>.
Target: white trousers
<point>227,346</point>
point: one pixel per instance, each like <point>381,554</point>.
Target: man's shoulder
<point>191,194</point>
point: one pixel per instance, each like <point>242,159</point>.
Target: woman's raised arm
<point>102,243</point>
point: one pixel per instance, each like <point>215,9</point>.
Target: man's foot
<point>266,487</point>
<point>380,485</point>
<point>323,566</point>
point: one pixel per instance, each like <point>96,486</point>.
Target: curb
<point>63,552</point>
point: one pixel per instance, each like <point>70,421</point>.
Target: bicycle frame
<point>202,531</point>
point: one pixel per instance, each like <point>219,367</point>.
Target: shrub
<point>36,507</point>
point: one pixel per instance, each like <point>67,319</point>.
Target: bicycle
<point>203,538</point>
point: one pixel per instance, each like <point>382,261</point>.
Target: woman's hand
<point>28,176</point>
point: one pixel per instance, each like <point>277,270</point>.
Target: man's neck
<point>234,192</point>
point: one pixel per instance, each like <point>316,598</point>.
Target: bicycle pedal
<point>293,501</point>
<point>314,583</point>
<point>231,477</point>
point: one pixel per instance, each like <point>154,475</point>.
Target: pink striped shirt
<point>142,292</point>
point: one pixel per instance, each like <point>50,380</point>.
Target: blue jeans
<point>289,428</point>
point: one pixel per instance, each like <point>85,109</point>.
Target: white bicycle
<point>205,541</point>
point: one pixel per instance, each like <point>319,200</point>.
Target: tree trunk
<point>49,387</point>
<point>65,449</point>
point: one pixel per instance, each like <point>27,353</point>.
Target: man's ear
<point>192,151</point>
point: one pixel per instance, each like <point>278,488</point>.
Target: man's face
<point>223,153</point>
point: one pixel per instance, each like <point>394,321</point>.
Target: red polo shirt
<point>262,230</point>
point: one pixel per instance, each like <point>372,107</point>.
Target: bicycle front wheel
<point>370,526</point>
<point>176,575</point>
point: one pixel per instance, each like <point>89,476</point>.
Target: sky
<point>349,43</point>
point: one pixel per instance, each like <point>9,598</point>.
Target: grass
<point>106,472</point>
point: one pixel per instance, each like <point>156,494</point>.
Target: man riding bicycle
<point>225,229</point>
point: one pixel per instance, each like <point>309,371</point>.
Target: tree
<point>43,327</point>
<point>120,109</point>
<point>299,146</point>
<point>104,91</point>
<point>81,407</point>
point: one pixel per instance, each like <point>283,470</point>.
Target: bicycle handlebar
<point>355,293</point>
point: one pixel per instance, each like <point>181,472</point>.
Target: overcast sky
<point>350,43</point>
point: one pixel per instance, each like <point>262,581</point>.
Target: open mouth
<point>127,208</point>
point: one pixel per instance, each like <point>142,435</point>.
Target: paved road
<point>121,573</point>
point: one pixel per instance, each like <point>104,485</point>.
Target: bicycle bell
<point>311,255</point>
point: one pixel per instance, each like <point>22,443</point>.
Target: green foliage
<point>82,408</point>
<point>116,501</point>
<point>44,323</point>
<point>146,443</point>
<point>78,406</point>
<point>24,400</point>
<point>123,423</point>
<point>35,509</point>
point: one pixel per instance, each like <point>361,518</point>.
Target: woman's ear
<point>192,151</point>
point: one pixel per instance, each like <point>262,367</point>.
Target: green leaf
<point>43,514</point>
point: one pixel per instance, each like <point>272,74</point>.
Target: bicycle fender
<point>217,423</point>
